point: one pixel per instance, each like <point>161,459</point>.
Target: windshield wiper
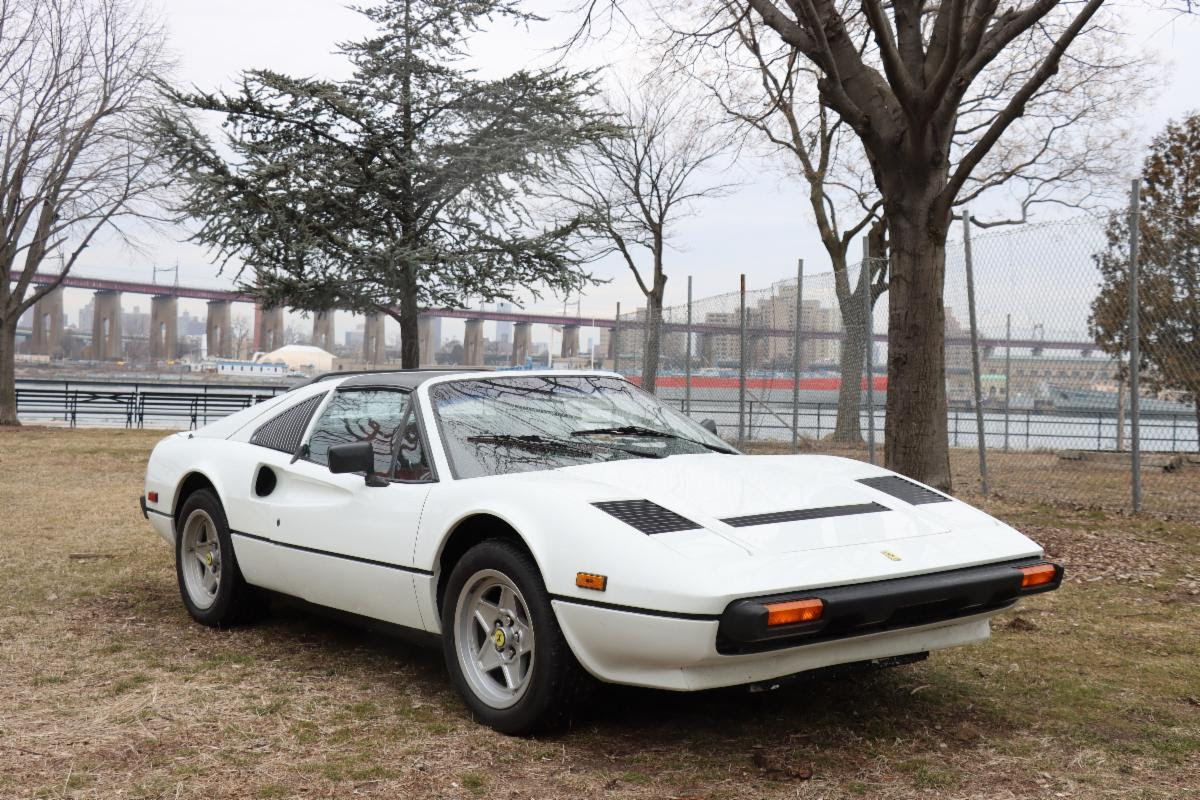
<point>534,441</point>
<point>639,430</point>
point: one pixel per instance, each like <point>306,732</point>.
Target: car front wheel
<point>210,583</point>
<point>502,644</point>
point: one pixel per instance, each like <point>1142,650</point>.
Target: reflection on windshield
<point>488,424</point>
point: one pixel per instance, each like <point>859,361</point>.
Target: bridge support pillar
<point>570,341</point>
<point>218,329</point>
<point>473,343</point>
<point>164,328</point>
<point>374,343</point>
<point>521,344</point>
<point>425,342</point>
<point>106,325</point>
<point>322,334</point>
<point>48,325</point>
<point>268,329</point>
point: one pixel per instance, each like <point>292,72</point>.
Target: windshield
<point>494,426</point>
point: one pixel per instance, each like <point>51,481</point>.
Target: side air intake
<point>647,517</point>
<point>904,489</point>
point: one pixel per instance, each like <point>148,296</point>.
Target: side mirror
<point>355,457</point>
<point>709,425</point>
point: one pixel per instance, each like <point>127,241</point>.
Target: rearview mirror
<point>709,425</point>
<point>355,457</point>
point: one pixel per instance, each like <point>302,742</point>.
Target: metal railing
<point>134,405</point>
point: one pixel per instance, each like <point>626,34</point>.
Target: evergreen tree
<point>405,186</point>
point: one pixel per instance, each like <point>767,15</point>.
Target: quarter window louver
<point>285,431</point>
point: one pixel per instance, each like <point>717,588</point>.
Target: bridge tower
<point>570,341</point>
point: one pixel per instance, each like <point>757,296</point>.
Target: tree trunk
<point>915,437</point>
<point>8,380</point>
<point>410,328</point>
<point>653,339</point>
<point>848,429</point>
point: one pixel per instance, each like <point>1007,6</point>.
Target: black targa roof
<point>392,379</point>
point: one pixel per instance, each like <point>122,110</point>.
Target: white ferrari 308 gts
<point>559,526</point>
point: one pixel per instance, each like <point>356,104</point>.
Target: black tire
<point>234,601</point>
<point>557,683</point>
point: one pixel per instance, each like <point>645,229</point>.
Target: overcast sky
<point>760,230</point>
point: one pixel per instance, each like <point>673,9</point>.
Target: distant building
<point>251,368</point>
<point>504,330</point>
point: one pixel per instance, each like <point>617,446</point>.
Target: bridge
<point>268,324</point>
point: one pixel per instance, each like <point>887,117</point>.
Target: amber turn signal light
<point>793,611</point>
<point>1037,575</point>
<point>586,580</point>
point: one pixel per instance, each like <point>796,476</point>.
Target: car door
<point>341,542</point>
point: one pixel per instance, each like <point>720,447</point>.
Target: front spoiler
<point>878,606</point>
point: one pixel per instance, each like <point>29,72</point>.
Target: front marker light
<point>1037,575</point>
<point>792,611</point>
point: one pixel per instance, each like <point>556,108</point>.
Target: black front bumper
<point>879,606</point>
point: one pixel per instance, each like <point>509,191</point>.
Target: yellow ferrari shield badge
<point>498,638</point>
<point>890,555</point>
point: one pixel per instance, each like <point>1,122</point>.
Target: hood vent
<point>801,514</point>
<point>904,489</point>
<point>647,517</point>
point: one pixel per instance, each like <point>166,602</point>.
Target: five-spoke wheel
<point>210,581</point>
<point>503,647</point>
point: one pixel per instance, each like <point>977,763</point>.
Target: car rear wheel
<point>502,644</point>
<point>210,583</point>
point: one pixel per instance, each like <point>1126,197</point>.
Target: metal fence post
<point>1007,374</point>
<point>980,438</point>
<point>741,438</point>
<point>616,340</point>
<point>687,362</point>
<point>869,346</point>
<point>1135,362</point>
<point>796,341</point>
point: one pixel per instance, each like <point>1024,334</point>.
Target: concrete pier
<point>473,343</point>
<point>48,325</point>
<point>164,328</point>
<point>374,344</point>
<point>268,329</point>
<point>570,341</point>
<point>428,356</point>
<point>521,343</point>
<point>106,325</point>
<point>322,334</point>
<point>218,329</point>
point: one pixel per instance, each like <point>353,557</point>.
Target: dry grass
<point>108,690</point>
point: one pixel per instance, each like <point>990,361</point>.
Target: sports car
<point>558,527</point>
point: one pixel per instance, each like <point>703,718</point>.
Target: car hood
<point>714,490</point>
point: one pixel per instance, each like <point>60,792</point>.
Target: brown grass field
<point>107,690</point>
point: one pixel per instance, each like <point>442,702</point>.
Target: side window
<point>360,416</point>
<point>410,457</point>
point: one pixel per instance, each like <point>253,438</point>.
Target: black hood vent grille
<point>904,489</point>
<point>647,517</point>
<point>803,514</point>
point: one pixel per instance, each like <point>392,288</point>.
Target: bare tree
<point>76,85</point>
<point>632,189</point>
<point>905,98</point>
<point>1061,151</point>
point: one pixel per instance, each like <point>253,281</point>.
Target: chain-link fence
<point>1053,392</point>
